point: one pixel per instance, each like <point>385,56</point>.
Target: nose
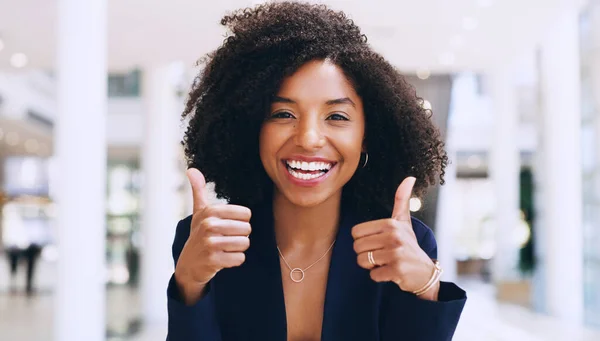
<point>309,135</point>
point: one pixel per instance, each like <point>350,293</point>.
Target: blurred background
<point>92,172</point>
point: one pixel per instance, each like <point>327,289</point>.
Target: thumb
<point>198,188</point>
<point>402,202</point>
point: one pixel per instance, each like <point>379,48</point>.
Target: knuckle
<point>247,213</point>
<point>211,243</point>
<point>210,224</point>
<point>240,259</point>
<point>356,246</point>
<point>402,270</point>
<point>204,223</point>
<point>212,259</point>
<point>246,243</point>
<point>398,252</point>
<point>208,211</point>
<point>395,239</point>
<point>373,275</point>
<point>247,228</point>
<point>356,230</point>
<point>392,224</point>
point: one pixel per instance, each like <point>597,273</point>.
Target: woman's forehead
<point>319,80</point>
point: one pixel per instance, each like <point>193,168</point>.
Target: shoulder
<point>183,229</point>
<point>184,224</point>
<point>182,234</point>
<point>421,229</point>
<point>425,237</point>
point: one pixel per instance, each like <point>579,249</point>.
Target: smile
<point>308,171</point>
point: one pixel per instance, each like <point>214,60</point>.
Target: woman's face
<point>311,142</point>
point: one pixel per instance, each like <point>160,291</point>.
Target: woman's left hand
<point>396,252</point>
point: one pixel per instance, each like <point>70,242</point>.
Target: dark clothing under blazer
<point>247,303</point>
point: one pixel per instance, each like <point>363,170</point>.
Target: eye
<point>282,114</point>
<point>337,117</point>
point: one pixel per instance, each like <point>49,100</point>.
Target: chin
<point>308,200</point>
<point>306,203</point>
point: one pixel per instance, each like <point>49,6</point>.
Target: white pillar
<point>161,202</point>
<point>561,196</point>
<point>448,216</point>
<point>81,164</point>
<point>504,170</point>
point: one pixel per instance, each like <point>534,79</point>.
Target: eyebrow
<point>345,100</point>
<point>277,99</point>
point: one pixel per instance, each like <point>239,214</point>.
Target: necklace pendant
<point>297,270</point>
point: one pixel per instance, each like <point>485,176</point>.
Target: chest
<point>304,301</point>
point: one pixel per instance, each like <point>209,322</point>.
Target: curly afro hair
<point>231,96</point>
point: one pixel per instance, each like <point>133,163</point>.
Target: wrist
<point>432,294</point>
<point>431,288</point>
<point>190,291</point>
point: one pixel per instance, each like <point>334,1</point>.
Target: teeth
<point>309,166</point>
<point>302,176</point>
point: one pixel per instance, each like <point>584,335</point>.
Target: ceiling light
<point>423,73</point>
<point>19,60</point>
<point>31,146</point>
<point>415,204</point>
<point>447,58</point>
<point>470,23</point>
<point>426,105</point>
<point>12,138</point>
<point>485,3</point>
<point>457,41</point>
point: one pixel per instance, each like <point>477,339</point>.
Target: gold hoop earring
<point>366,160</point>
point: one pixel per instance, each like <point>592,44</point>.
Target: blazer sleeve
<point>407,317</point>
<point>197,322</point>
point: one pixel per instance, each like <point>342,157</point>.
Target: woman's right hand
<point>218,238</point>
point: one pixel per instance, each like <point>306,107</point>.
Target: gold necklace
<point>298,270</point>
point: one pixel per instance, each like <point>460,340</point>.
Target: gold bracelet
<point>431,279</point>
<point>437,273</point>
<point>436,280</point>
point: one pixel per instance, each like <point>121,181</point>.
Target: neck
<point>305,227</point>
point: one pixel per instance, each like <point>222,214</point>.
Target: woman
<point>307,133</point>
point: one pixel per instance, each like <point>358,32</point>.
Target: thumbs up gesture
<point>390,250</point>
<point>218,238</point>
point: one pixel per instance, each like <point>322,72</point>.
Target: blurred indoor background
<point>92,172</point>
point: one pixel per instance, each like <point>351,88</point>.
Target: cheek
<point>270,141</point>
<point>263,145</point>
<point>350,144</point>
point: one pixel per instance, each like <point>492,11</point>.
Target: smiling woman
<point>316,117</point>
<point>318,144</point>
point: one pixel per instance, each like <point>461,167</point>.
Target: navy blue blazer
<point>247,303</point>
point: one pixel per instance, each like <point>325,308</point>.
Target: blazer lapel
<point>352,299</point>
<point>250,300</point>
<point>250,297</point>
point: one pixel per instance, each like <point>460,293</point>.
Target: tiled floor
<point>30,319</point>
<point>485,319</point>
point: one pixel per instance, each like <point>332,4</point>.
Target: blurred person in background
<point>23,238</point>
<point>307,132</point>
